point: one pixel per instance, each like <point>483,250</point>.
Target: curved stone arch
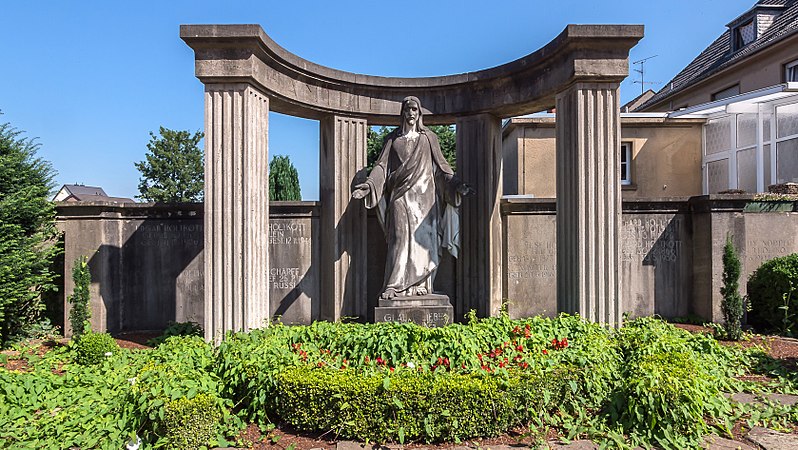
<point>297,87</point>
<point>246,75</point>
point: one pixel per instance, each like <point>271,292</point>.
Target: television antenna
<point>642,71</point>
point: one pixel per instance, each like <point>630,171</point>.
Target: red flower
<point>368,359</point>
<point>564,342</point>
<point>520,348</point>
<point>320,364</point>
<point>545,352</point>
<point>391,369</point>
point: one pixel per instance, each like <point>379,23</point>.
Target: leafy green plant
<point>93,348</point>
<point>732,303</point>
<point>177,329</point>
<point>770,295</point>
<point>79,313</point>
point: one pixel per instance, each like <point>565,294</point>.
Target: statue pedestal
<point>432,310</point>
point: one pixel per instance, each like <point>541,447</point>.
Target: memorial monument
<point>415,192</point>
<point>247,75</point>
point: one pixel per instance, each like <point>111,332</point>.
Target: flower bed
<point>647,383</point>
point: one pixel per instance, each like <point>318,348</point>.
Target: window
<point>626,163</point>
<point>744,34</point>
<point>726,93</point>
<point>791,72</point>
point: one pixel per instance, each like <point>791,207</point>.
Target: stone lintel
<point>298,87</point>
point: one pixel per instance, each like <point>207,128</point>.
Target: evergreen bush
<point>773,295</point>
<point>79,313</point>
<point>732,303</point>
<point>27,234</point>
<point>93,348</point>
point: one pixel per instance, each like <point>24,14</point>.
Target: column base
<point>433,310</point>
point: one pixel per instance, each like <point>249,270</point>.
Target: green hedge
<point>773,295</point>
<point>410,406</point>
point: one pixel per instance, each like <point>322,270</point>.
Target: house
<point>82,193</point>
<point>758,49</point>
<point>727,122</point>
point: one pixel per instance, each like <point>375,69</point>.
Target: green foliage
<point>177,329</point>
<point>173,168</point>
<point>646,384</point>
<point>283,180</point>
<point>191,422</point>
<point>424,406</point>
<point>179,369</point>
<point>446,137</point>
<point>93,348</point>
<point>79,313</point>
<point>672,381</point>
<point>772,295</point>
<point>27,233</point>
<point>732,303</point>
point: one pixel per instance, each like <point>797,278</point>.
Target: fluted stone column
<point>588,201</point>
<point>479,266</point>
<point>343,220</point>
<point>236,209</point>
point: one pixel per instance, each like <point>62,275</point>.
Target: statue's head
<point>411,112</point>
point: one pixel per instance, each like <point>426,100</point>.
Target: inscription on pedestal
<point>426,316</point>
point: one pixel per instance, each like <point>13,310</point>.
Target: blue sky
<point>91,79</point>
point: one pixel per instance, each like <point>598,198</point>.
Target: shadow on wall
<point>155,277</point>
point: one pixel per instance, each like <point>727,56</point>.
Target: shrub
<point>412,406</point>
<point>92,348</point>
<point>180,369</point>
<point>27,233</point>
<point>79,313</point>
<point>177,329</point>
<point>191,422</point>
<point>732,303</point>
<point>772,295</point>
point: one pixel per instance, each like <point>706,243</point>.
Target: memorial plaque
<point>531,265</point>
<point>654,273</point>
<point>293,269</point>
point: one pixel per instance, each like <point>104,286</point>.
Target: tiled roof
<point>718,55</point>
<point>80,190</point>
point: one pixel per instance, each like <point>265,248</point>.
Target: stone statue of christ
<point>415,192</point>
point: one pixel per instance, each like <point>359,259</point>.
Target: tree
<point>283,180</point>
<point>446,137</point>
<point>173,170</point>
<point>27,234</point>
<point>732,303</point>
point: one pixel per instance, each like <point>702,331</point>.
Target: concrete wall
<point>671,262</point>
<point>666,157</point>
<point>147,267</point>
<point>147,260</point>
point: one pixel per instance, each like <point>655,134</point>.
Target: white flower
<point>131,445</point>
<point>132,381</point>
<point>411,365</point>
<point>108,354</point>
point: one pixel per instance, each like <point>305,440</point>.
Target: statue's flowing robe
<point>415,192</point>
